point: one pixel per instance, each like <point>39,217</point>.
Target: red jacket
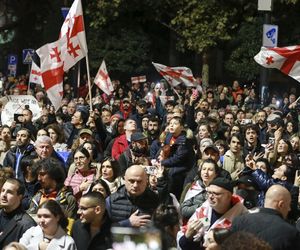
<point>119,146</point>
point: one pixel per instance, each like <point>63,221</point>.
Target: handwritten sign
<point>15,105</point>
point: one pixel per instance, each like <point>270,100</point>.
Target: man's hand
<point>192,228</point>
<point>139,220</point>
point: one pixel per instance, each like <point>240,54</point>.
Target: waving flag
<point>35,74</point>
<point>52,72</point>
<point>103,81</point>
<point>138,79</point>
<point>176,75</point>
<point>60,56</point>
<point>286,59</point>
<point>72,36</point>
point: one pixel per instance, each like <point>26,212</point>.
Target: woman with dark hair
<point>194,194</point>
<point>291,128</point>
<point>57,137</point>
<point>166,218</point>
<point>281,150</point>
<point>51,230</point>
<point>110,173</point>
<point>101,187</point>
<point>81,180</point>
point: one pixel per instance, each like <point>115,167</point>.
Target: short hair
<point>179,119</point>
<point>97,198</point>
<point>21,186</point>
<point>53,168</point>
<point>43,139</point>
<point>238,136</point>
<point>56,210</point>
<point>27,130</point>
<point>221,234</point>
<point>252,127</point>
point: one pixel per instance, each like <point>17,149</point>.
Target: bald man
<point>133,203</point>
<point>269,223</point>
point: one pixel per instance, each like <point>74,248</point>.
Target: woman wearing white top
<point>50,234</point>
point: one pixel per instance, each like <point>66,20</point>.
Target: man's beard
<point>139,151</point>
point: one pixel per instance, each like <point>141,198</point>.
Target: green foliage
<point>125,51</point>
<point>246,45</point>
<point>202,24</point>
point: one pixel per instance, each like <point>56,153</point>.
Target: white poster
<point>15,105</point>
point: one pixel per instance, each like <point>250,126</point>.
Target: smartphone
<point>151,170</point>
<point>16,118</point>
<point>271,140</point>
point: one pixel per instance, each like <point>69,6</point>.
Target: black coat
<point>15,228</point>
<point>84,241</point>
<point>269,225</point>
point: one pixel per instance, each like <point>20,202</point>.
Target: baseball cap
<point>213,147</point>
<point>141,103</point>
<point>85,131</point>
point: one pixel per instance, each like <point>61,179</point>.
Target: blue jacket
<point>263,182</point>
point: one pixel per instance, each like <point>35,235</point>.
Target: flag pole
<point>89,81</point>
<point>28,88</point>
<point>78,79</point>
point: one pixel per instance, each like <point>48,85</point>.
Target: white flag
<point>36,75</point>
<point>52,72</point>
<point>103,81</point>
<point>286,59</point>
<point>176,75</point>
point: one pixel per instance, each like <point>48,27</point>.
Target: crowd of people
<point>211,168</point>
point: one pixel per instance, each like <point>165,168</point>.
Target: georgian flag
<point>52,72</point>
<point>61,55</point>
<point>35,75</point>
<point>176,75</point>
<point>286,59</point>
<point>103,81</point>
<point>138,79</point>
<point>72,36</point>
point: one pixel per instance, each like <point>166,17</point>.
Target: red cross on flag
<point>72,36</point>
<point>176,75</point>
<point>103,81</point>
<point>35,75</point>
<point>286,59</point>
<point>52,72</point>
<point>63,54</point>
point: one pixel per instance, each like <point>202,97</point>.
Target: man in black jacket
<point>14,221</point>
<point>133,204</point>
<point>22,149</point>
<point>269,223</point>
<point>92,229</point>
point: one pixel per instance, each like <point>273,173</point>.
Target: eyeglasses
<point>85,208</point>
<point>79,158</point>
<point>214,194</point>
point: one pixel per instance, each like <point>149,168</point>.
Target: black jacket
<point>84,241</point>
<point>120,205</point>
<point>269,225</point>
<point>16,226</point>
